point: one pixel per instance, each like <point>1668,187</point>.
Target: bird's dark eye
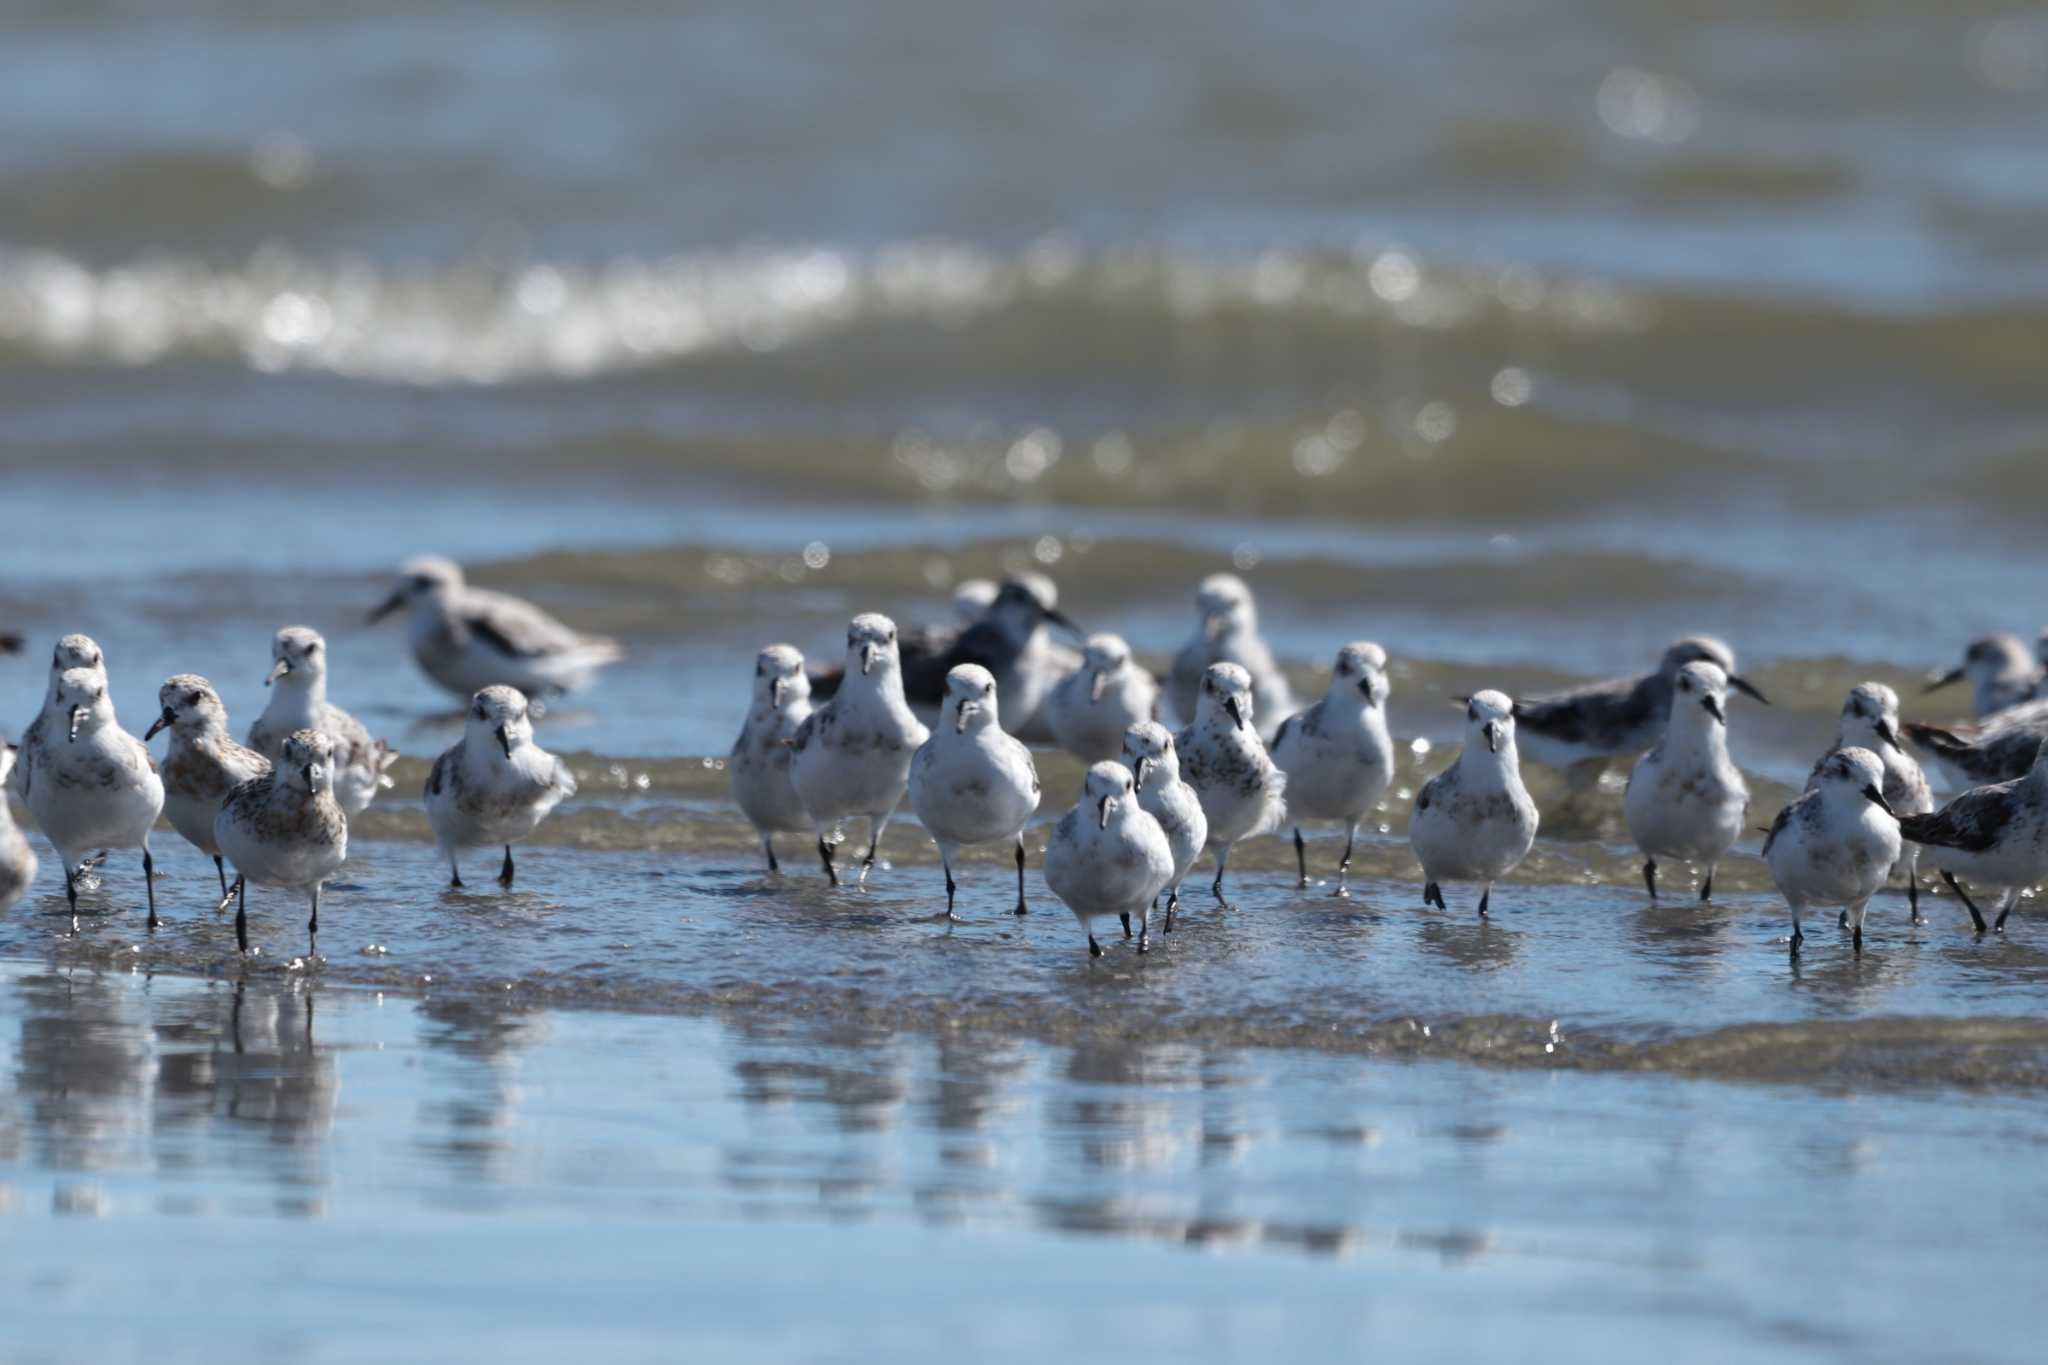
<point>192,700</point>
<point>313,647</point>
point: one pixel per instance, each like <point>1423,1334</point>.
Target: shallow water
<point>290,1167</point>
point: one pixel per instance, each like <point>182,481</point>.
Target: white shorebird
<point>852,755</point>
<point>1155,769</point>
<point>286,830</point>
<point>970,783</point>
<point>467,639</point>
<point>761,755</point>
<point>1227,631</point>
<point>17,859</point>
<point>1337,754</point>
<point>90,784</point>
<point>1837,843</point>
<point>1107,856</point>
<point>1474,821</point>
<point>1580,729</point>
<point>1870,720</point>
<point>298,701</point>
<point>72,652</point>
<point>2001,673</point>
<point>495,785</point>
<point>1995,835</point>
<point>1685,798</point>
<point>1223,760</point>
<point>1092,707</point>
<point>202,763</point>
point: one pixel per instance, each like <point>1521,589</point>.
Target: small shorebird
<point>1870,720</point>
<point>90,784</point>
<point>1835,844</point>
<point>202,763</point>
<point>1227,631</point>
<point>298,701</point>
<point>1107,856</point>
<point>1224,761</point>
<point>72,652</point>
<point>1999,749</point>
<point>1685,798</point>
<point>1092,707</point>
<point>852,755</point>
<point>285,829</point>
<point>2001,673</point>
<point>467,639</point>
<point>762,754</point>
<point>1580,729</point>
<point>1995,835</point>
<point>1338,756</point>
<point>970,783</point>
<point>1155,769</point>
<point>1474,821</point>
<point>495,785</point>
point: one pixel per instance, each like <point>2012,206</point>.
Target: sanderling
<point>761,755</point>
<point>495,785</point>
<point>1337,754</point>
<point>970,783</point>
<point>298,701</point>
<point>1227,631</point>
<point>1224,761</point>
<point>1474,821</point>
<point>1010,641</point>
<point>1837,843</point>
<point>90,784</point>
<point>1995,835</point>
<point>72,652</point>
<point>17,859</point>
<point>1685,799</point>
<point>2000,671</point>
<point>1870,720</point>
<point>1091,707</point>
<point>202,764</point>
<point>852,755</point>
<point>1155,767</point>
<point>467,639</point>
<point>1999,750</point>
<point>1580,729</point>
<point>1108,856</point>
<point>286,829</point>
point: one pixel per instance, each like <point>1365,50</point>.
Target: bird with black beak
<point>1474,821</point>
<point>1225,762</point>
<point>1108,856</point>
<point>760,759</point>
<point>495,786</point>
<point>1836,843</point>
<point>1686,799</point>
<point>1870,720</point>
<point>298,701</point>
<point>852,755</point>
<point>1092,707</point>
<point>2000,671</point>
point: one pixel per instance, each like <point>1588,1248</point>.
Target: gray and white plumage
<point>1338,754</point>
<point>1994,835</point>
<point>467,638</point>
<point>852,755</point>
<point>1227,631</point>
<point>1154,762</point>
<point>1686,799</point>
<point>2001,671</point>
<point>90,784</point>
<point>285,829</point>
<point>1108,856</point>
<point>17,859</point>
<point>494,786</point>
<point>1870,720</point>
<point>298,701</point>
<point>1225,762</point>
<point>1091,708</point>
<point>1999,749</point>
<point>1474,821</point>
<point>72,652</point>
<point>1835,844</point>
<point>1579,729</point>
<point>1011,640</point>
<point>202,763</point>
<point>761,755</point>
<point>970,783</point>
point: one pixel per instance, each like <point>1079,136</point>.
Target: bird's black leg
<point>1975,915</point>
<point>149,883</point>
<point>1125,916</point>
<point>1094,948</point>
<point>1172,904</point>
<point>242,913</point>
<point>1022,908</point>
<point>1300,859</point>
<point>1650,876</point>
<point>505,872</point>
<point>454,872</point>
<point>768,842</point>
<point>1913,899</point>
<point>222,868</point>
<point>71,895</point>
<point>1216,887</point>
<point>313,924</point>
<point>1707,887</point>
<point>2012,898</point>
<point>1344,864</point>
<point>1432,894</point>
<point>825,856</point>
<point>1856,938</point>
<point>1484,897</point>
<point>947,864</point>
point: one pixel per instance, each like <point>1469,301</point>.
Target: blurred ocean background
<point>1520,339</point>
